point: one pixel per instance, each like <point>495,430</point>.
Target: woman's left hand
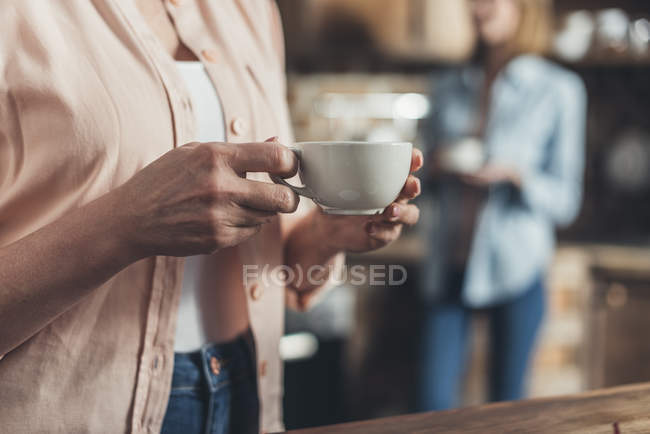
<point>364,233</point>
<point>493,173</point>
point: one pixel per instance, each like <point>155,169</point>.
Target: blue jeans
<point>214,391</point>
<point>513,329</point>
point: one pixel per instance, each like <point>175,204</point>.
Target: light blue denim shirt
<point>536,123</point>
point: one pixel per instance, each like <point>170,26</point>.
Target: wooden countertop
<point>589,413</point>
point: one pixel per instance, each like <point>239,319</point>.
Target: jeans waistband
<point>213,366</point>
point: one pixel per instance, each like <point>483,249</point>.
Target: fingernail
<point>272,139</point>
<point>394,212</point>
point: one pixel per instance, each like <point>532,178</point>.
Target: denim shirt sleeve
<point>556,189</point>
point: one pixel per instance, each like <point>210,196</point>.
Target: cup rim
<point>352,142</point>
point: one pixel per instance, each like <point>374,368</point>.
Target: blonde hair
<point>535,28</point>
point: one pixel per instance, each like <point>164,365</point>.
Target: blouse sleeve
<point>556,190</point>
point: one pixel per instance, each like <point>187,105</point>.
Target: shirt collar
<point>519,72</point>
<point>523,71</point>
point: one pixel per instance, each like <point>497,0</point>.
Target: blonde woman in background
<point>522,119</point>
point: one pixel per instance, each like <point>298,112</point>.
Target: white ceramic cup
<point>351,178</point>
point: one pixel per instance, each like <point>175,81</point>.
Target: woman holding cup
<point>134,134</point>
<point>506,161</point>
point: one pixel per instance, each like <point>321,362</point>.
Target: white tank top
<point>190,329</point>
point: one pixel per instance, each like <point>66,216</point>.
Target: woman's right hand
<point>195,199</point>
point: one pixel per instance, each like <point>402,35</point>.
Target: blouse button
<point>238,126</point>
<point>263,365</point>
<point>176,2</point>
<point>209,55</point>
<point>155,364</point>
<point>256,291</point>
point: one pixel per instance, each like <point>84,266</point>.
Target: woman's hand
<point>493,173</point>
<point>192,200</point>
<point>195,199</point>
<point>363,233</point>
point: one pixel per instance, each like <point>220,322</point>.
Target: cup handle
<point>302,191</point>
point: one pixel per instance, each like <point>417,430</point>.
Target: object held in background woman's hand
<point>465,156</point>
<point>352,178</point>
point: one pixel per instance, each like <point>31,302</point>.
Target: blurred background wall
<point>362,70</point>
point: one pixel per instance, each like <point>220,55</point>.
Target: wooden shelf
<point>631,6</point>
<point>604,64</point>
